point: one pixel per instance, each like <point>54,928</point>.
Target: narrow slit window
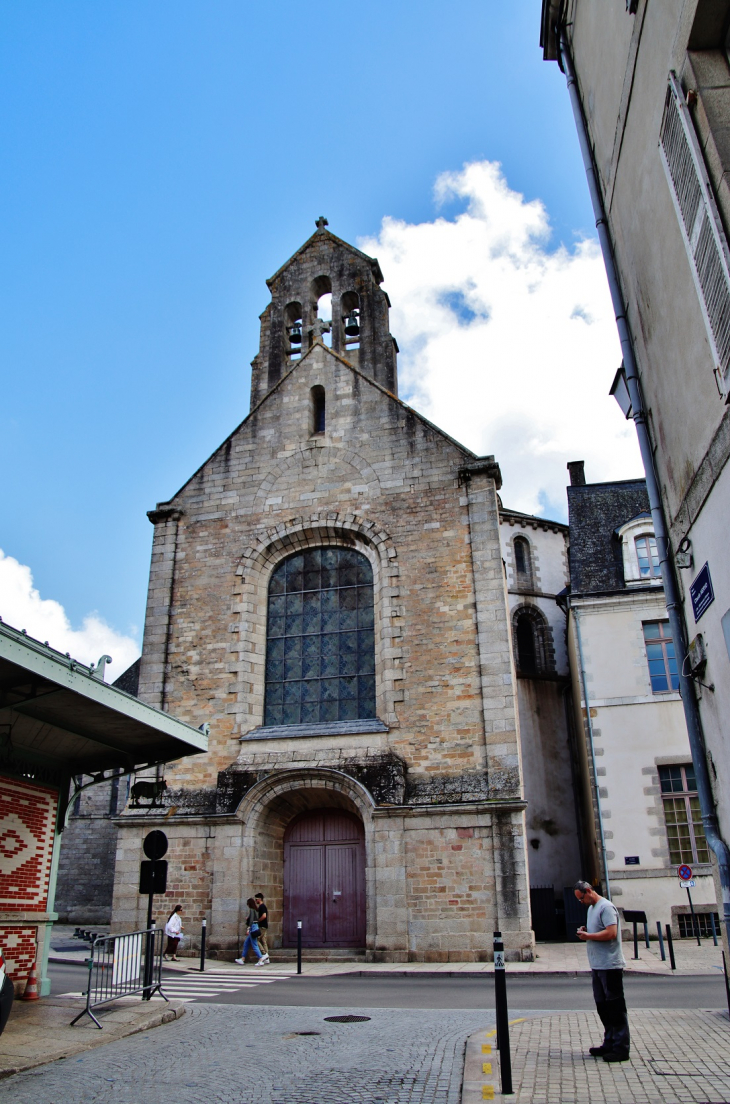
<point>318,410</point>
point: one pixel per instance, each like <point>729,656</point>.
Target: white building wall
<point>634,732</point>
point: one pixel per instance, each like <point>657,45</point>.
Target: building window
<point>684,922</point>
<point>526,650</point>
<point>660,657</point>
<point>320,653</point>
<point>648,557</point>
<point>685,833</point>
<point>318,410</point>
<point>522,559</point>
<point>532,642</point>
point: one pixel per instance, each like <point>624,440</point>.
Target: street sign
<point>153,876</point>
<point>685,872</point>
<point>155,845</point>
<point>690,884</point>
<point>701,592</point>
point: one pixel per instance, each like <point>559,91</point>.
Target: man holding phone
<point>602,934</point>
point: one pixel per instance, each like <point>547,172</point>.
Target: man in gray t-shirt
<point>602,934</point>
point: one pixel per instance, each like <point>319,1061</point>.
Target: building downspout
<point>589,722</point>
<point>671,592</point>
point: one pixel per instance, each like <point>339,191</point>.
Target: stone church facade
<point>327,592</point>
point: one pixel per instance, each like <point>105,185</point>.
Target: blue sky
<point>160,161</point>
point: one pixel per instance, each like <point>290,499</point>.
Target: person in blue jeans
<point>251,942</point>
<point>602,936</point>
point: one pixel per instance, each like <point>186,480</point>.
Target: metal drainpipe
<point>584,684</point>
<point>671,593</point>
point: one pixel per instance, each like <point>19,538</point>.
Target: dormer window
<point>648,557</point>
<point>639,552</point>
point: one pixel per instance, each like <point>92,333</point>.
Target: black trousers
<point>608,993</point>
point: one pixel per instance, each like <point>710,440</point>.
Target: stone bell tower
<point>358,329</point>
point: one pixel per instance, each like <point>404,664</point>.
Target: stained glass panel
<point>320,658</point>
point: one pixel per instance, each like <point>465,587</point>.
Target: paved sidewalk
<point>552,958</point>
<point>677,1057</point>
<point>39,1032</point>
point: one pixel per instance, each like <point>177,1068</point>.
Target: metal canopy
<point>60,714</point>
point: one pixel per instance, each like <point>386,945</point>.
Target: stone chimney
<point>577,473</point>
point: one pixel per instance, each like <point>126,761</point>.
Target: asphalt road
<point>525,992</point>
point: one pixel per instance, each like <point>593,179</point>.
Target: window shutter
<point>702,228</point>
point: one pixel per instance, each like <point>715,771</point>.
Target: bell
<point>352,325</point>
<point>295,334</point>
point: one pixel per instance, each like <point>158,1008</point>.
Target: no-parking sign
<point>685,873</point>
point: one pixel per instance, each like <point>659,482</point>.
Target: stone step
<point>319,954</point>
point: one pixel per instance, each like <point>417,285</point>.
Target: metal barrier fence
<point>122,965</point>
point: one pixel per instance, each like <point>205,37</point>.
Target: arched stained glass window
<point>320,650</point>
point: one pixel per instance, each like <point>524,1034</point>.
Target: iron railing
<point>122,965</point>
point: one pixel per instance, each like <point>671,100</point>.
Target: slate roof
<point>595,512</point>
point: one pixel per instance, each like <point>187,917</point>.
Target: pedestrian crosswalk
<point>214,983</point>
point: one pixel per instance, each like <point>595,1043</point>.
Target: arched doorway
<point>324,879</point>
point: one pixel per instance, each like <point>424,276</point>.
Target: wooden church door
<point>324,880</point>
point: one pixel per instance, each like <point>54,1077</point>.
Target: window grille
<point>682,816</point>
<point>660,656</point>
<point>684,921</point>
<point>700,221</point>
<point>320,651</point>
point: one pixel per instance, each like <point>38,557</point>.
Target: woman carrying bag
<point>251,942</point>
<point>173,931</point>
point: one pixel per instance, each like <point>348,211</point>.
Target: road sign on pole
<point>685,872</point>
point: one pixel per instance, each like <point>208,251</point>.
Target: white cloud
<point>45,619</point>
<point>507,345</point>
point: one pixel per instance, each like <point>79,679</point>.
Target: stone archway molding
<point>253,571</point>
<point>256,801</point>
<point>313,452</point>
<point>328,527</point>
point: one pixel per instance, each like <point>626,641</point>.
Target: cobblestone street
<point>244,1055</point>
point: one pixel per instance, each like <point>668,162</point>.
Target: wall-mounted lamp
<point>620,392</point>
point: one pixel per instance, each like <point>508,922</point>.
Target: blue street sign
<point>701,592</point>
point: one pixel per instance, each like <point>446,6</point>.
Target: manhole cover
<point>346,1019</point>
<point>307,1032</point>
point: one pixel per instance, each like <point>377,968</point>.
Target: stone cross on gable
<point>319,327</point>
<point>321,222</point>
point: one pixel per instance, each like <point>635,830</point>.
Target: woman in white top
<point>173,931</point>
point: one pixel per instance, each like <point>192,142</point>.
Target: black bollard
<point>500,994</point>
<point>661,940</point>
<point>636,941</point>
<point>727,983</point>
<point>670,945</point>
<point>713,926</point>
<point>202,947</point>
<point>299,946</point>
